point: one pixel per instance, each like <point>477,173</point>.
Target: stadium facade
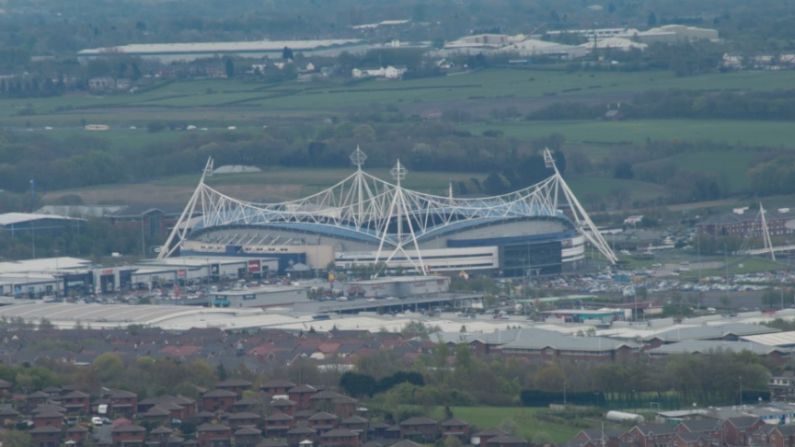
<point>365,221</point>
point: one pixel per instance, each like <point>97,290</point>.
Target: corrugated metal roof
<point>780,339</point>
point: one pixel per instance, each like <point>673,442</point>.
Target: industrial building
<point>25,223</point>
<point>265,296</point>
<point>366,222</point>
<point>399,287</point>
<point>65,276</point>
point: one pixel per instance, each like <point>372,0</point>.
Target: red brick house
<point>482,437</point>
<point>690,439</point>
<point>340,437</point>
<point>277,424</point>
<point>237,420</point>
<point>285,406</point>
<point>213,435</point>
<point>128,435</point>
<point>344,406</point>
<point>301,395</point>
<point>506,441</point>
<point>235,385</point>
<point>419,429</point>
<point>457,428</point>
<point>76,402</point>
<point>738,430</point>
<point>247,437</point>
<point>123,403</point>
<point>77,434</point>
<point>48,419</point>
<point>597,437</point>
<point>276,387</point>
<point>218,400</point>
<point>161,435</point>
<point>322,421</point>
<point>782,436</point>
<point>46,436</point>
<point>297,434</point>
<point>355,423</point>
<point>649,435</point>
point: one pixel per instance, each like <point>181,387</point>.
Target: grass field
<point>495,84</point>
<point>589,188</point>
<point>249,105</point>
<point>269,185</point>
<point>742,132</point>
<point>529,422</point>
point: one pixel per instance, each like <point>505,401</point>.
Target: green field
<point>529,422</point>
<point>742,132</point>
<point>589,188</point>
<point>250,105</point>
<point>271,184</point>
<point>495,84</point>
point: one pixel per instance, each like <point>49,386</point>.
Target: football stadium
<point>367,222</point>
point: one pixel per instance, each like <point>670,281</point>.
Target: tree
<point>357,385</point>
<point>652,19</point>
<point>550,378</point>
<point>221,372</point>
<point>15,438</point>
<point>623,170</point>
<point>229,67</point>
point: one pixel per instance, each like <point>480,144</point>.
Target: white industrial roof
<point>17,218</point>
<point>195,261</point>
<point>218,47</point>
<point>780,339</point>
<point>40,265</point>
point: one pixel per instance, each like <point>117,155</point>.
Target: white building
<point>388,72</point>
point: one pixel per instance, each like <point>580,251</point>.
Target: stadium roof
<point>387,214</point>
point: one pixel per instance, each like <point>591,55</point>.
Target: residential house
<point>782,436</point>
<point>128,435</point>
<point>322,421</point>
<point>649,435</point>
<point>218,400</point>
<point>301,395</point>
<point>213,435</point>
<point>340,437</point>
<point>76,402</point>
<point>237,420</point>
<point>123,403</point>
<point>738,430</point>
<point>278,424</point>
<point>506,441</point>
<point>457,428</point>
<point>48,419</point>
<point>46,436</point>
<point>299,434</point>
<point>283,405</point>
<point>420,429</point>
<point>235,385</point>
<point>276,387</point>
<point>247,436</point>
<point>77,435</point>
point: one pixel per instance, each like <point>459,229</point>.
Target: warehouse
<point>266,296</point>
<point>398,286</point>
